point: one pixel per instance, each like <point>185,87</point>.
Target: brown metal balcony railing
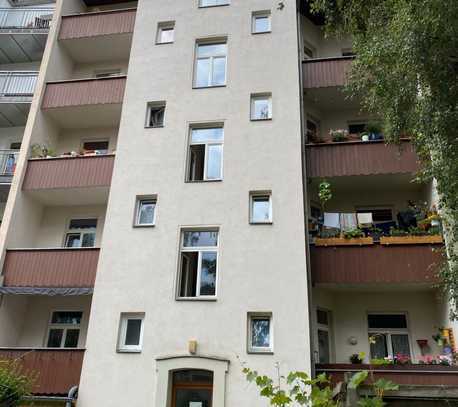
<point>326,72</point>
<point>69,172</point>
<point>375,264</point>
<point>360,158</point>
<point>57,370</point>
<point>409,375</point>
<point>50,268</point>
<point>84,92</point>
<point>87,25</point>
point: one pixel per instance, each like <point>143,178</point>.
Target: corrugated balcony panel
<point>323,73</point>
<point>58,370</point>
<point>97,23</point>
<point>84,92</point>
<point>50,267</point>
<point>375,264</point>
<point>72,172</point>
<point>360,158</point>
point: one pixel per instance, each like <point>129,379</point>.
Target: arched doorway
<point>192,388</point>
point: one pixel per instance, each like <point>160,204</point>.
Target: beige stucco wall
<point>349,316</point>
<point>138,267</point>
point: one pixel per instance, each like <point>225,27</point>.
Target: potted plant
<point>339,135</point>
<point>413,235</point>
<point>357,358</point>
<point>364,136</point>
<point>375,131</point>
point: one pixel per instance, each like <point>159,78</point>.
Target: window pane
<point>261,109</point>
<point>211,50</point>
<point>400,344</point>
<point>261,209</point>
<point>323,346</point>
<point>384,321</point>
<point>219,71</point>
<point>208,274</point>
<point>207,134</point>
<point>260,332</point>
<point>200,238</point>
<point>101,146</point>
<point>214,161</point>
<point>202,72</point>
<point>133,332</point>
<point>188,284</point>
<point>55,338</point>
<point>167,34</point>
<point>71,339</point>
<point>261,24</point>
<point>379,349</point>
<point>146,212</point>
<point>156,116</point>
<point>322,317</point>
<point>83,224</point>
<point>193,397</point>
<point>193,376</point>
<point>88,240</point>
<point>196,162</point>
<point>64,317</point>
<point>73,240</point>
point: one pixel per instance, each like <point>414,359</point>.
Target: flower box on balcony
<point>428,239</point>
<point>341,241</point>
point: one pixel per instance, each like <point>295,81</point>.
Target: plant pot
<point>428,239</point>
<point>340,241</point>
<point>365,138</point>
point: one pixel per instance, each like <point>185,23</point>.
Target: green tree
<point>15,383</point>
<point>406,72</point>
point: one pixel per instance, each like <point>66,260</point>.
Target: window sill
<point>144,226</point>
<point>204,181</point>
<point>165,43</point>
<point>215,5</point>
<point>191,299</point>
<point>260,352</point>
<point>154,127</point>
<point>261,32</point>
<point>261,120</point>
<point>261,223</point>
<point>128,351</point>
<point>209,87</point>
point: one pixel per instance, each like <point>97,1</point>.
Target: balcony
<point>23,33</point>
<point>16,93</point>
<point>98,36</point>
<point>375,264</point>
<point>85,102</point>
<point>70,180</point>
<point>439,381</point>
<point>50,271</point>
<point>360,158</point>
<point>58,370</point>
<point>326,72</point>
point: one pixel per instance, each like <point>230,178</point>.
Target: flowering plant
<point>338,135</point>
<point>401,359</point>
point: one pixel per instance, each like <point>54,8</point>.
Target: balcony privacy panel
<point>58,370</point>
<point>375,264</point>
<point>323,73</point>
<point>72,172</point>
<point>84,92</point>
<point>50,268</point>
<point>360,158</point>
<point>94,24</point>
<point>25,18</point>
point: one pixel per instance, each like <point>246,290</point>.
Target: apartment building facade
<point>160,231</point>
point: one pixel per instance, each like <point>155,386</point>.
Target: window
<point>198,263</point>
<point>107,73</point>
<point>155,114</point>
<point>309,51</point>
<point>210,66</point>
<point>81,233</point>
<point>324,335</point>
<point>97,147</point>
<point>260,207</point>
<point>379,214</point>
<point>388,335</point>
<point>213,3</point>
<point>165,32</point>
<point>131,332</point>
<point>261,106</point>
<point>205,159</point>
<point>357,128</point>
<point>192,388</point>
<point>64,329</point>
<point>261,22</point>
<point>260,333</point>
<point>145,214</point>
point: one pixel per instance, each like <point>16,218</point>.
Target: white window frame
<point>107,73</point>
<point>99,140</point>
<point>256,349</point>
<point>149,107</point>
<point>138,203</point>
<point>218,41</point>
<point>200,250</point>
<point>390,331</point>
<point>260,96</point>
<point>327,328</point>
<point>64,327</point>
<point>261,14</point>
<point>207,144</point>
<point>165,26</point>
<point>218,3</point>
<point>69,231</point>
<point>124,318</point>
<point>260,194</point>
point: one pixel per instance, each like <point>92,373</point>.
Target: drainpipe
<point>72,394</point>
<point>304,184</point>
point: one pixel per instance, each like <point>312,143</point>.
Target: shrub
<point>15,383</point>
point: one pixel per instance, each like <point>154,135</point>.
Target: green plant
<point>381,362</point>
<point>353,233</point>
<point>329,233</point>
<point>398,232</point>
<point>15,383</point>
<point>357,358</point>
<point>339,135</point>
<point>379,387</point>
<point>374,127</point>
<point>324,193</point>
